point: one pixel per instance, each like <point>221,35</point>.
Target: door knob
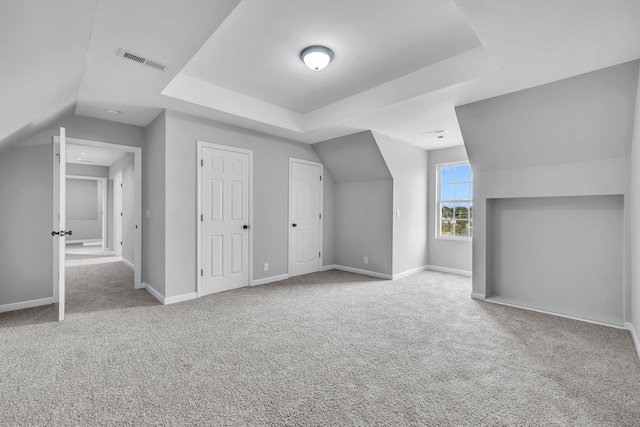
<point>245,226</point>
<point>294,225</point>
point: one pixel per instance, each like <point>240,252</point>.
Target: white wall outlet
<point>366,260</point>
<point>266,266</point>
<point>397,213</point>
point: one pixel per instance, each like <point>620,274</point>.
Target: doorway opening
<point>103,204</point>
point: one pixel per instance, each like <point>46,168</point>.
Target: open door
<point>305,217</point>
<point>59,218</point>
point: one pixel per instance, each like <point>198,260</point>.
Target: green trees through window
<point>455,200</point>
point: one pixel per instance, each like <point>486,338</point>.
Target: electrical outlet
<point>266,266</point>
<point>366,260</point>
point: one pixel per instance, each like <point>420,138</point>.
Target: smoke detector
<point>437,133</point>
<point>141,60</point>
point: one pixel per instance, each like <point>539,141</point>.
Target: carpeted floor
<point>331,348</point>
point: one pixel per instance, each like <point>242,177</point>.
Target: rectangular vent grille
<point>133,57</point>
<point>137,58</point>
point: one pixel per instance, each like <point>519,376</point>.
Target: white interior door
<point>224,219</point>
<point>59,220</point>
<point>305,216</point>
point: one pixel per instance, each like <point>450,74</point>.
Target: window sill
<point>458,239</point>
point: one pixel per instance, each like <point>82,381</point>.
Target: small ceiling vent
<point>137,58</point>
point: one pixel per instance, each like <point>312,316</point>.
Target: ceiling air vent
<point>137,58</point>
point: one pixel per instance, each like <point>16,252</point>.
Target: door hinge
<point>320,177</point>
<point>201,162</point>
<point>120,242</point>
<point>319,254</point>
<point>319,216</point>
<point>120,185</point>
<point>201,217</point>
<point>201,272</point>
<point>120,213</point>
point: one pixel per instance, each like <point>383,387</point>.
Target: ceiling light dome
<point>316,57</point>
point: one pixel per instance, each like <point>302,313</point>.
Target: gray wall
<point>635,225</point>
<point>153,204</point>
<point>584,118</point>
<point>363,201</point>
<point>445,253</point>
<point>541,253</point>
<point>28,167</point>
<point>87,170</point>
<point>270,196</point>
<point>99,171</point>
<point>329,220</point>
<point>126,165</point>
<point>364,225</point>
<point>84,209</point>
<point>26,264</point>
<point>512,158</point>
<point>92,129</point>
<point>409,167</point>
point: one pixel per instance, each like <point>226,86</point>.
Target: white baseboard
<point>636,342</point>
<point>180,298</point>
<point>153,292</point>
<point>566,316</point>
<point>169,300</point>
<point>357,271</point>
<point>83,241</point>
<point>269,280</point>
<point>129,264</point>
<point>25,304</point>
<point>478,296</point>
<point>410,272</point>
<point>449,270</point>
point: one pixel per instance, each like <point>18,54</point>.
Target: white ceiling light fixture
<point>316,57</point>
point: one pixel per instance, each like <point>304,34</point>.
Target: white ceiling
<point>94,156</point>
<point>263,63</point>
<point>400,67</point>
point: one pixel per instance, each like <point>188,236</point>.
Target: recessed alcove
<point>558,254</point>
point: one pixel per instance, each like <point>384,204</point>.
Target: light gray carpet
<point>326,349</point>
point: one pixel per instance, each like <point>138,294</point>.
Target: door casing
<point>137,162</point>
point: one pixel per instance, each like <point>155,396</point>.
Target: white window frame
<point>438,225</point>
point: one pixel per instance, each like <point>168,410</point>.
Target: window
<point>455,201</point>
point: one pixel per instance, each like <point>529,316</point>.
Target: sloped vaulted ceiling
<point>43,46</point>
<point>400,67</point>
